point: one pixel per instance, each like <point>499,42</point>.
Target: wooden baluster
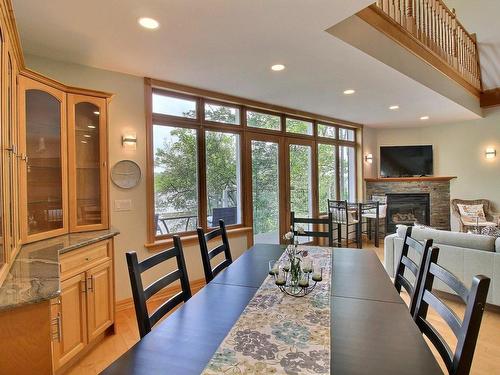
<point>386,6</point>
<point>478,81</point>
<point>410,18</point>
<point>454,39</point>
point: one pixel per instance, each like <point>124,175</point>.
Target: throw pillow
<point>491,231</point>
<point>472,211</point>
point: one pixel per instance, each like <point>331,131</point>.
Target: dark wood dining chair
<point>141,294</point>
<point>345,215</point>
<point>417,270</point>
<point>326,223</point>
<point>458,362</point>
<point>208,255</point>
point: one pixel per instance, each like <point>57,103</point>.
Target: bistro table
<point>371,329</point>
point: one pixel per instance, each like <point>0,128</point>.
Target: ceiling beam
<point>490,98</point>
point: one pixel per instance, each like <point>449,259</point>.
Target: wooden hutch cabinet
<point>64,182</point>
<point>54,207</point>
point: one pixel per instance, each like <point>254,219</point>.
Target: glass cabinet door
<point>87,167</point>
<point>43,175</point>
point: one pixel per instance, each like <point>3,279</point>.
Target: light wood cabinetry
<point>43,170</point>
<point>70,336</point>
<point>85,309</point>
<point>88,182</point>
<point>99,299</point>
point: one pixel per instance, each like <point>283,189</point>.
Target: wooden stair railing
<point>437,27</point>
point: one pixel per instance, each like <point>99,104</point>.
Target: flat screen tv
<point>406,161</point>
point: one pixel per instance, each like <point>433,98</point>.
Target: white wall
<point>458,151</point>
<point>126,113</point>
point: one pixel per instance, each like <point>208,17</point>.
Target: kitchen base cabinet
<point>85,309</point>
<point>25,340</point>
<point>69,320</point>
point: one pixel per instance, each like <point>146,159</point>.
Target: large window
<point>265,191</point>
<point>213,159</point>
<point>327,175</point>
<point>347,173</point>
<point>223,178</point>
<point>175,179</point>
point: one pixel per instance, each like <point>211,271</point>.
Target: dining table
<point>371,332</point>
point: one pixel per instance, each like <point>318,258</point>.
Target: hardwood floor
<point>486,359</point>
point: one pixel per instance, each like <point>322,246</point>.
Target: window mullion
<point>202,179</point>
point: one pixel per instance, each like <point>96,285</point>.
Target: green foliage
<point>263,120</point>
<point>298,126</point>
<point>265,189</point>
<point>326,175</point>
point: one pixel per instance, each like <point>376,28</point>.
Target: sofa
<point>463,254</point>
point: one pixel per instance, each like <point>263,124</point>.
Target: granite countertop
<point>34,275</point>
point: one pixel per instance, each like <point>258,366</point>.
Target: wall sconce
<point>129,141</point>
<point>369,158</point>
<point>490,153</point>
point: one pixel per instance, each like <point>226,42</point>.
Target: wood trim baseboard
<point>490,98</point>
<point>163,295</point>
<point>193,239</point>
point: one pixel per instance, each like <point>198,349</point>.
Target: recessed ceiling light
<point>87,135</point>
<point>349,92</point>
<point>83,141</point>
<point>96,112</point>
<point>423,118</point>
<point>149,23</point>
<point>394,107</point>
<point>91,126</point>
<point>278,67</point>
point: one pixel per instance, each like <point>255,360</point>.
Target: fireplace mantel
<point>409,179</point>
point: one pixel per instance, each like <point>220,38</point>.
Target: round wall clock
<point>126,174</point>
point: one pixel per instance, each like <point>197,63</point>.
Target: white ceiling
<point>228,46</point>
<point>483,18</point>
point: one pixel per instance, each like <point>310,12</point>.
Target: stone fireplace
<point>426,199</point>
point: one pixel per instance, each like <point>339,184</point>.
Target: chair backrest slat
<point>161,283</point>
<point>449,279</point>
<point>410,264</point>
<point>405,283</point>
<point>156,259</point>
<point>218,268</point>
<point>437,340</point>
<point>466,331</point>
<point>141,295</point>
<point>326,222</point>
<point>212,234</point>
<point>405,263</point>
<point>207,255</point>
<point>165,307</point>
<point>446,313</point>
<point>216,251</point>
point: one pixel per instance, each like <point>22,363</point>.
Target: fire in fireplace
<point>407,209</point>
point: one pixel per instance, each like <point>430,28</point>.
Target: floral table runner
<point>278,333</point>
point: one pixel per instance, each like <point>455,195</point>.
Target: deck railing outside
<point>437,27</point>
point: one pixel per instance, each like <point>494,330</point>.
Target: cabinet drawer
<point>84,258</point>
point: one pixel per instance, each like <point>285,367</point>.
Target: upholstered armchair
<point>466,223</point>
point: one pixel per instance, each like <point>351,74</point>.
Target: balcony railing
<point>437,27</point>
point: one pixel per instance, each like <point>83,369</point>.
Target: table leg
<point>377,228</point>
